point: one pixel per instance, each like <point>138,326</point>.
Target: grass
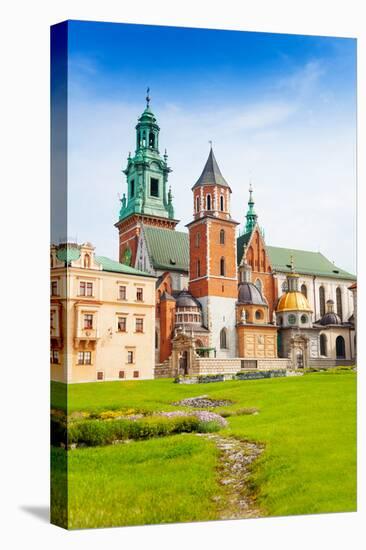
<point>154,481</point>
<point>307,423</point>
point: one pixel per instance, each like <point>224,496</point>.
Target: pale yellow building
<point>102,317</point>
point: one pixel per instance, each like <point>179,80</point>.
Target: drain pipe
<point>314,277</point>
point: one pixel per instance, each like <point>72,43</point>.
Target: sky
<point>279,109</point>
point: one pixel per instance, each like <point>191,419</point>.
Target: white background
<point>24,254</point>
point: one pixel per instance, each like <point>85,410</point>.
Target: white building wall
<point>219,313</point>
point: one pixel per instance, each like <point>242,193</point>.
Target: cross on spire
<point>147,97</point>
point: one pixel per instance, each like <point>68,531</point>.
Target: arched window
<point>197,204</point>
<point>340,348</point>
<point>223,339</point>
<point>222,267</point>
<point>322,300</point>
<point>156,340</point>
<point>222,236</point>
<point>258,314</point>
<point>151,140</point>
<point>143,140</point>
<point>198,268</point>
<point>208,202</point>
<point>284,286</point>
<point>323,345</point>
<point>222,203</point>
<point>304,290</point>
<point>51,260</point>
<point>86,260</point>
<point>258,284</point>
<point>339,303</point>
<point>132,188</point>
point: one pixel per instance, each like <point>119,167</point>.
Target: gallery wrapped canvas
<point>203,293</point>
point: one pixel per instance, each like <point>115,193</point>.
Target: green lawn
<point>308,424</point>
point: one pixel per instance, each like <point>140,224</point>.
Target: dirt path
<point>234,471</point>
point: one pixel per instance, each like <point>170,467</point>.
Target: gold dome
<point>293,301</point>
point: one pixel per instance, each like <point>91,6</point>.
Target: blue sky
<point>280,110</point>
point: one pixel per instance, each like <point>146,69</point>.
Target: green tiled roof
<point>168,250</point>
<point>111,265</point>
<point>306,263</point>
<point>68,253</point>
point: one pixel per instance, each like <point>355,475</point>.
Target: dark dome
<point>185,299</point>
<point>249,294</point>
<point>330,318</point>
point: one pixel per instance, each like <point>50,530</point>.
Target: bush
<point>98,432</point>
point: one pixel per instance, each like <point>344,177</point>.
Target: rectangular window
<point>154,187</point>
<point>121,374</point>
<point>100,375</point>
<point>122,292</point>
<point>130,357</point>
<point>54,289</point>
<point>88,321</point>
<point>135,373</point>
<point>55,358</point>
<point>52,319</point>
<point>132,188</point>
<point>84,358</point>
<point>139,325</point>
<point>139,294</point>
<point>122,324</point>
<point>85,289</point>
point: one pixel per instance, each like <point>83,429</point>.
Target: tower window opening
<point>132,188</point>
<point>154,187</point>
<point>222,236</point>
<point>152,140</point>
<point>223,339</point>
<point>208,202</point>
<point>197,204</point>
<point>198,240</point>
<point>222,203</point>
<point>198,268</point>
<point>143,139</point>
<point>222,267</point>
<point>304,290</point>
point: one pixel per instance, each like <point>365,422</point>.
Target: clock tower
<point>148,200</point>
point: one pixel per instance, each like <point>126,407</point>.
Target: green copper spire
<point>147,172</point>
<point>251,216</point>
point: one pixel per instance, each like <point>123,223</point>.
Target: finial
<point>165,155</point>
<point>292,263</point>
<point>147,97</point>
<point>210,142</point>
<point>250,192</point>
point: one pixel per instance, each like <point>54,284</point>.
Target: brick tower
<point>148,200</point>
<point>212,245</point>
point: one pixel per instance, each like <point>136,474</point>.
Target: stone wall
<point>205,365</point>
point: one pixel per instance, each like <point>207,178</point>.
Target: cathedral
<point>224,298</point>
